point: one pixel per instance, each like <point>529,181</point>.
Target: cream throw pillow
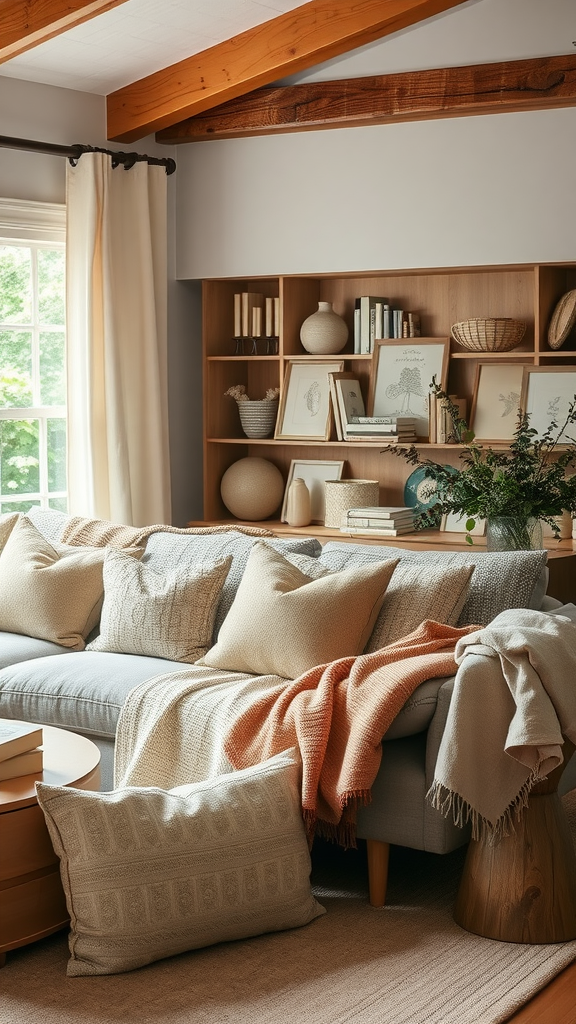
<point>282,623</point>
<point>46,592</point>
<point>148,873</point>
<point>7,523</point>
<point>416,593</point>
<point>164,616</point>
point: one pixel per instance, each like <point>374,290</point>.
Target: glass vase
<point>506,533</point>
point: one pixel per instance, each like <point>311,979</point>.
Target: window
<point>32,363</point>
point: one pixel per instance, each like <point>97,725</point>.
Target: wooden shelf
<point>442,296</point>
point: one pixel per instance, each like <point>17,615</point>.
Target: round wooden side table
<point>523,888</point>
<point>32,902</point>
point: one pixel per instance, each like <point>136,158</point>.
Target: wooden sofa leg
<point>378,854</point>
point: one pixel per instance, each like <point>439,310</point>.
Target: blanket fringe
<point>451,804</point>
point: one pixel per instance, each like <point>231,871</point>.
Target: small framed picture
<point>452,522</point>
<point>305,412</point>
<point>402,372</point>
<point>496,401</point>
<point>547,392</point>
<point>314,474</point>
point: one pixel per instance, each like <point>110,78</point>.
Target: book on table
<point>16,737</point>
<point>27,763</point>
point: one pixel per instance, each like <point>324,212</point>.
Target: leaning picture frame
<point>314,473</point>
<point>547,392</point>
<point>305,412</point>
<point>496,400</point>
<point>402,372</point>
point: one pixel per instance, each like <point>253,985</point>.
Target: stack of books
<point>441,426</point>
<point>379,521</point>
<point>374,317</point>
<point>20,749</point>
<point>388,429</point>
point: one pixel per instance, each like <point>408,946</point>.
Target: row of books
<point>256,315</point>
<point>440,423</point>
<point>379,521</point>
<point>374,318</point>
<point>20,749</point>
<point>352,423</point>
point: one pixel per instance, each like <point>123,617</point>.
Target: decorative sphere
<point>324,332</point>
<point>252,488</point>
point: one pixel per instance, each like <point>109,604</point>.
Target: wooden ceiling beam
<point>25,25</point>
<point>411,96</point>
<point>299,39</point>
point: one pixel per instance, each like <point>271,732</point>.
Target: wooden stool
<point>523,889</point>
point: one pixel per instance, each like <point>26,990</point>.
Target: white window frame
<point>38,226</point>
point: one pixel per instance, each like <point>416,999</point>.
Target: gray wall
<point>62,116</point>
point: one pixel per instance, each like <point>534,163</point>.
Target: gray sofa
<point>84,690</point>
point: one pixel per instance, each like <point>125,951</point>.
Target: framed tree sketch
<point>547,392</point>
<point>496,401</point>
<point>402,372</point>
<point>305,412</point>
<point>314,473</point>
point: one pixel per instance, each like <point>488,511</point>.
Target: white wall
<point>454,192</point>
<point>62,116</point>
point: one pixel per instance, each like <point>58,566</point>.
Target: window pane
<point>60,504</point>
<point>19,456</point>
<point>15,369</point>
<point>17,506</point>
<point>52,377</point>
<point>51,286</point>
<point>15,284</point>
<point>56,454</point>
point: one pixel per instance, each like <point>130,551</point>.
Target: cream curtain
<point>118,456</point>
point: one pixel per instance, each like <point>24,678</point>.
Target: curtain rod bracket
<point>73,153</point>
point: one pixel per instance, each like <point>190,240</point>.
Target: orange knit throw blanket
<point>337,715</point>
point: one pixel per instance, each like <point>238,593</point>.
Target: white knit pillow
<point>283,623</point>
<point>51,593</point>
<point>169,615</point>
<point>414,595</point>
<point>148,873</point>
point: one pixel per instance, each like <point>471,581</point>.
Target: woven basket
<point>498,334</point>
<point>258,419</point>
<point>344,494</point>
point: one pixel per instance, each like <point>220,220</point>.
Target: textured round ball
<point>252,488</point>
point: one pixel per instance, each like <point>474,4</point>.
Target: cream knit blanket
<point>81,530</point>
<point>514,702</point>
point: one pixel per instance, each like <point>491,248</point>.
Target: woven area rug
<point>408,963</point>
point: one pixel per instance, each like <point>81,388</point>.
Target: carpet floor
<point>408,963</point>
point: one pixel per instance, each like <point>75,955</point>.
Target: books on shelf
<point>368,305</point>
<point>385,521</point>
<point>386,512</point>
<point>26,763</point>
<point>444,433</point>
<point>374,317</point>
<point>374,531</point>
<point>248,302</point>
<point>381,428</point>
<point>17,737</point>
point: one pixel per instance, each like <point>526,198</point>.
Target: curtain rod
<point>75,152</point>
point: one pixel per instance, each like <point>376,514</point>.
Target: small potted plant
<point>258,416</point>
<point>514,490</point>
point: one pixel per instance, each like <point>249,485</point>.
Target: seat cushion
<point>85,695</point>
<point>16,647</point>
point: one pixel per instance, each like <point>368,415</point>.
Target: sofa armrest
<point>436,727</point>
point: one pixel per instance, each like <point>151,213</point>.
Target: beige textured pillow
<point>7,523</point>
<point>164,616</point>
<point>283,623</point>
<point>46,592</point>
<point>418,592</point>
<point>148,873</point>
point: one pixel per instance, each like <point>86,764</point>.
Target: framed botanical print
<point>547,392</point>
<point>496,401</point>
<point>402,372</point>
<point>305,412</point>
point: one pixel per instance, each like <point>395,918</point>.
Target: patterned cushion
<point>283,623</point>
<point>168,616</point>
<point>165,551</point>
<point>412,596</point>
<point>148,873</point>
<point>48,593</point>
<point>501,579</point>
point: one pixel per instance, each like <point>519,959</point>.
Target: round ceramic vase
<point>324,332</point>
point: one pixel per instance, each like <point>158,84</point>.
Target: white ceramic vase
<point>298,511</point>
<point>324,332</point>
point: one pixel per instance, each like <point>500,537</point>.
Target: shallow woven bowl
<point>491,334</point>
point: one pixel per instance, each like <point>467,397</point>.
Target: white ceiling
<point>143,36</point>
